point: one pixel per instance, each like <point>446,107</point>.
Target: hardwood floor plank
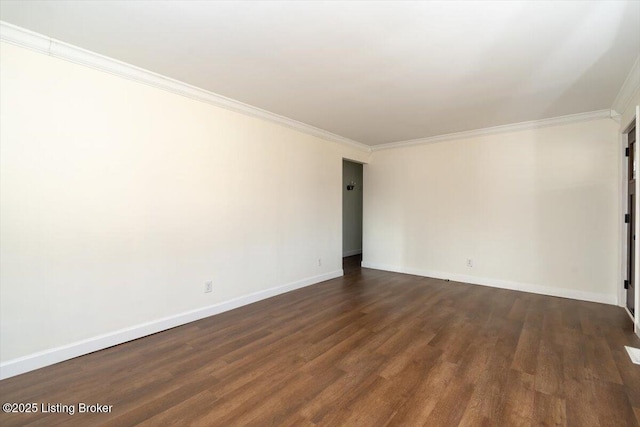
<point>451,407</point>
<point>518,400</point>
<point>549,410</point>
<point>549,369</point>
<point>434,379</point>
<point>630,375</point>
<point>370,348</point>
<point>182,414</point>
<point>337,396</point>
<point>526,357</point>
<point>613,406</point>
<point>600,361</point>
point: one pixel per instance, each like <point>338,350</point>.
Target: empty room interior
<point>319,213</point>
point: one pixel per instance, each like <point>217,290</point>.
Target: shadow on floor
<point>351,264</point>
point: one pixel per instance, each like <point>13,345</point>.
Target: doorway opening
<point>352,204</point>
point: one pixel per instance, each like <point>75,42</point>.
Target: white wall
<point>119,200</point>
<point>535,210</point>
<point>351,209</point>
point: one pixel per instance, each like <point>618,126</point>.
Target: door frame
<point>626,171</point>
<point>363,164</point>
<point>624,208</point>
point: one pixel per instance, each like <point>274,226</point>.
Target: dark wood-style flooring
<point>370,349</point>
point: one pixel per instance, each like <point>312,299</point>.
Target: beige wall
<point>119,200</point>
<point>535,210</point>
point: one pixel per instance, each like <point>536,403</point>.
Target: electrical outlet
<point>469,262</point>
<point>319,262</point>
<point>208,286</point>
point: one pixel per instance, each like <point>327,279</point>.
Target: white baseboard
<point>351,253</point>
<point>502,284</point>
<point>49,357</point>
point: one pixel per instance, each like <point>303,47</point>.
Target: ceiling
<point>373,72</point>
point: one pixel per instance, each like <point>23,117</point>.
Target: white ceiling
<point>374,72</point>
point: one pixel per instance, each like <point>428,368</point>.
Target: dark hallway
<point>351,265</point>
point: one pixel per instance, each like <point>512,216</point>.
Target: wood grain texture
<point>372,348</point>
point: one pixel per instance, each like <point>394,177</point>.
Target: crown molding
<point>629,88</point>
<point>615,116</point>
<point>514,127</point>
<point>31,40</point>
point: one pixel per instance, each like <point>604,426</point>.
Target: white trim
<point>628,89</point>
<point>49,46</point>
<point>624,184</point>
<point>351,252</point>
<point>636,278</point>
<point>626,309</point>
<point>503,284</point>
<point>616,116</point>
<point>634,354</point>
<point>49,357</point>
<point>514,127</point>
